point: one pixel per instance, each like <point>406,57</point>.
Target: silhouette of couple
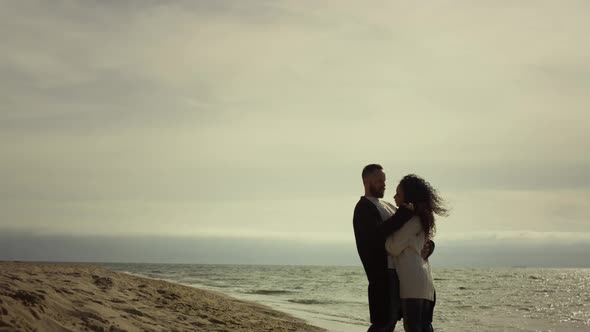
<point>394,244</point>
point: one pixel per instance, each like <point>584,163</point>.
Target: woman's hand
<point>427,249</point>
<point>408,206</point>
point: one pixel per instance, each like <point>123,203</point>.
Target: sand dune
<point>79,297</point>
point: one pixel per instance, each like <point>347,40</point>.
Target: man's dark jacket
<point>370,233</point>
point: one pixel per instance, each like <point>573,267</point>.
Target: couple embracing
<point>394,245</point>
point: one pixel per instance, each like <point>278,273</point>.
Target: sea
<point>335,297</point>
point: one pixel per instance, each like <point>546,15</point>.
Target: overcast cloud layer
<point>252,120</point>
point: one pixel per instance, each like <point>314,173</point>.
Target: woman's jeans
<point>417,315</point>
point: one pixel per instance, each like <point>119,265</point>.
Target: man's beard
<point>377,192</point>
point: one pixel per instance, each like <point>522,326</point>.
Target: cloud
<point>229,250</point>
<point>211,118</point>
<point>515,238</point>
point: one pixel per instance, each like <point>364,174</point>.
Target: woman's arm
<point>400,240</point>
<point>395,222</point>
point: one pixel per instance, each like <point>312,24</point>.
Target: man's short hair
<point>370,169</point>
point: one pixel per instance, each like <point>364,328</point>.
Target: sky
<point>235,132</point>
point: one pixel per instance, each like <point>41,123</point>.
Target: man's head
<point>374,180</point>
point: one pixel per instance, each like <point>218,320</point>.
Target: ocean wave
<point>310,301</point>
<point>544,291</point>
<point>269,292</point>
<point>217,285</point>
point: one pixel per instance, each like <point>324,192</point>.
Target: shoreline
<point>72,297</point>
<point>326,323</point>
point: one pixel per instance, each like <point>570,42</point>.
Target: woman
<point>406,246</point>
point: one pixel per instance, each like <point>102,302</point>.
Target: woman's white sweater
<point>415,277</point>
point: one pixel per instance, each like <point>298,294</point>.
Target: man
<point>373,221</point>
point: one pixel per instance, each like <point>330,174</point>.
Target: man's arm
<point>395,222</point>
<point>367,223</point>
<point>364,231</point>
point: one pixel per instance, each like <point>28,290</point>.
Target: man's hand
<point>428,249</point>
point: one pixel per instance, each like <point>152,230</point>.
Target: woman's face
<point>399,196</point>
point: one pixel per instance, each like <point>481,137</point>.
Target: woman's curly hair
<point>425,199</point>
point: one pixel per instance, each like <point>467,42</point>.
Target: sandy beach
<point>83,297</point>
